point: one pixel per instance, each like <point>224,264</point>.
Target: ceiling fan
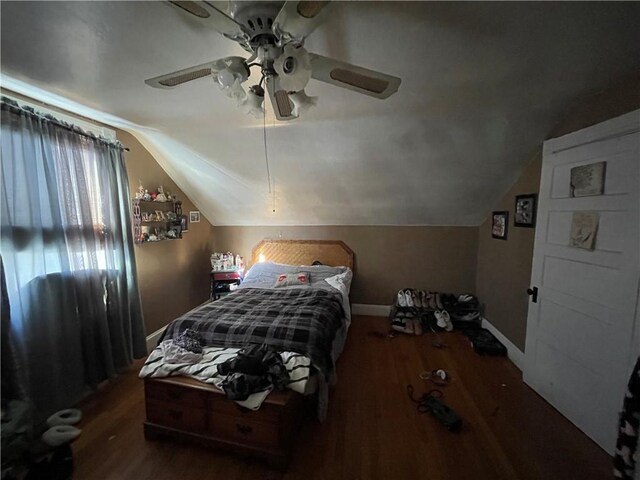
<point>274,34</point>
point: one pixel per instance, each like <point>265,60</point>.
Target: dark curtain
<point>68,257</point>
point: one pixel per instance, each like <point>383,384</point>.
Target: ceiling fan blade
<point>174,79</point>
<point>358,79</point>
<point>214,18</point>
<point>296,20</point>
<point>280,102</point>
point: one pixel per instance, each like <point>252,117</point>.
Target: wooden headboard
<point>334,253</point>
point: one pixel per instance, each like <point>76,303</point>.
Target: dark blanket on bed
<point>302,320</point>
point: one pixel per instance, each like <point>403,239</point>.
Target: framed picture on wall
<point>499,224</point>
<point>194,216</point>
<point>525,211</point>
<point>184,223</point>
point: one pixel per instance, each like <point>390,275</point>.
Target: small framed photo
<point>525,210</point>
<point>194,216</point>
<point>184,223</point>
<point>499,224</point>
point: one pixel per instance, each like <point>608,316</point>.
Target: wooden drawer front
<point>176,394</point>
<point>176,416</point>
<point>266,413</point>
<point>243,431</point>
<point>226,276</point>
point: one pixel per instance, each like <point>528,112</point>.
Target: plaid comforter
<point>303,320</point>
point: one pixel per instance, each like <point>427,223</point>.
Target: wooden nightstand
<point>222,278</point>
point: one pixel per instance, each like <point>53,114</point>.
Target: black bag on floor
<point>484,343</point>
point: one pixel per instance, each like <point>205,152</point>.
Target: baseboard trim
<point>152,340</point>
<point>514,353</point>
<point>370,310</point>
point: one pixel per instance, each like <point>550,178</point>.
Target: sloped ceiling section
<point>482,84</point>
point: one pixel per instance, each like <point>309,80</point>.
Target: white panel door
<point>580,332</point>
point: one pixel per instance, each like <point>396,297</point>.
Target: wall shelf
<point>160,228</point>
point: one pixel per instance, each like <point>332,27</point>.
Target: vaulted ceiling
<point>482,86</point>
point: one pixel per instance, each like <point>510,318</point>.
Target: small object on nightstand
<point>222,280</point>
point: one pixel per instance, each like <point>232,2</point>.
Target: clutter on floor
<point>439,377</point>
<point>415,311</point>
<point>431,402</point>
<point>484,342</point>
<point>29,454</point>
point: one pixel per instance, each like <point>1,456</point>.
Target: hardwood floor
<point>373,430</point>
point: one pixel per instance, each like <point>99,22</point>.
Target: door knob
<point>533,293</point>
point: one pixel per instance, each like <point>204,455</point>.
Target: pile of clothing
<point>185,348</point>
<point>255,369</point>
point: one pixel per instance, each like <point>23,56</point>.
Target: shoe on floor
<point>415,298</point>
<point>417,326</point>
<point>447,320</point>
<point>402,302</point>
<point>438,301</point>
<point>423,299</point>
<point>60,434</point>
<point>407,297</point>
<point>69,416</point>
<point>432,300</point>
<point>406,326</point>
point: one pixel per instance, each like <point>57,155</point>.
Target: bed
<point>307,323</point>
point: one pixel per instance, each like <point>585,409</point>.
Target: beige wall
<point>504,267</point>
<point>173,276</point>
<point>386,258</point>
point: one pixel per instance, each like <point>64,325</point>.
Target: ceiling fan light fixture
<point>230,78</point>
<point>254,101</point>
<point>236,91</point>
<point>293,67</point>
<point>302,102</point>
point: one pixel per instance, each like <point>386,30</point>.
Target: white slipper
<point>69,416</point>
<point>60,434</point>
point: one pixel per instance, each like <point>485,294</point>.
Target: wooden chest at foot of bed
<point>185,409</point>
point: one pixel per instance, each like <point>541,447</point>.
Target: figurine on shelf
<point>153,238</point>
<point>172,234</point>
<point>140,192</point>
<point>171,216</point>
<point>160,197</point>
<point>169,196</point>
<point>153,196</point>
<point>147,196</point>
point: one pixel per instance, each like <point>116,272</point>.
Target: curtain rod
<point>10,102</point>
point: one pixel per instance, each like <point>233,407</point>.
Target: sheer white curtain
<point>68,257</point>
